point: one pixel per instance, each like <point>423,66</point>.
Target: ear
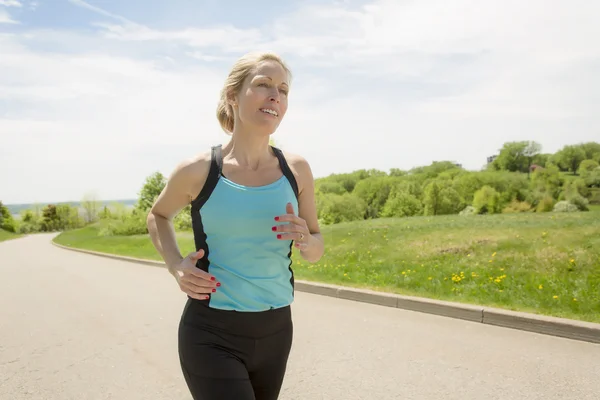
<point>232,99</point>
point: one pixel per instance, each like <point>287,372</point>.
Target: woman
<point>250,203</point>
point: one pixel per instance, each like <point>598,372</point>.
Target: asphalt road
<point>75,326</point>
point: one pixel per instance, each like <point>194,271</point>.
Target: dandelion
<point>574,299</point>
<point>572,261</point>
<point>541,287</point>
<point>430,278</point>
<point>555,297</point>
<point>494,254</point>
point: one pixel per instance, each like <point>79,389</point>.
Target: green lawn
<point>4,235</point>
<point>544,263</point>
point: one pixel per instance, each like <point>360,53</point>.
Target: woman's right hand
<point>193,281</point>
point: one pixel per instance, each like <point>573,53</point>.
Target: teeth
<point>272,112</point>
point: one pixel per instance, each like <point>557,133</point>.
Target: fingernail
<point>214,290</point>
<point>278,236</point>
<point>212,278</point>
<point>274,228</point>
<point>218,284</point>
<point>276,218</point>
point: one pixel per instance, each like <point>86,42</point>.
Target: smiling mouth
<point>269,111</point>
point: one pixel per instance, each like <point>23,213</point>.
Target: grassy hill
<point>546,263</point>
<point>7,235</point>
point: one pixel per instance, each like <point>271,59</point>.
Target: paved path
<point>75,326</point>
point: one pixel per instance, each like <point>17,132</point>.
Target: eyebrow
<point>271,79</point>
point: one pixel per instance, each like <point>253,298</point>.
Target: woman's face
<point>263,101</point>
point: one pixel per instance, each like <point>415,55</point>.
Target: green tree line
<point>519,179</point>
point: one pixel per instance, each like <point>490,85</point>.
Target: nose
<point>274,97</point>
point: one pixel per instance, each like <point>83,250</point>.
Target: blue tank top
<point>232,223</point>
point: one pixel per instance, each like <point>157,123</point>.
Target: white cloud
<point>11,3</point>
<point>5,18</point>
<point>404,83</point>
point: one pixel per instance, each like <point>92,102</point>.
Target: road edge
<point>547,325</point>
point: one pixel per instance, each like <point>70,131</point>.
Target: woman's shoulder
<point>300,168</point>
<point>191,173</point>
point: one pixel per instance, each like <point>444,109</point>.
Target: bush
<point>7,221</point>
<point>486,201</point>
<point>579,201</point>
<point>545,205</point>
<point>335,208</point>
<point>183,220</point>
<point>133,224</point>
<point>330,187</point>
<point>402,204</point>
<point>565,206</point>
<point>517,206</point>
<point>469,210</point>
<point>374,191</point>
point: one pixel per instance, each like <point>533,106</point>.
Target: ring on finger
<point>301,236</point>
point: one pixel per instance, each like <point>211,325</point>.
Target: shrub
<point>546,204</point>
<point>133,224</point>
<point>517,206</point>
<point>335,208</point>
<point>565,206</point>
<point>329,187</point>
<point>7,221</point>
<point>579,201</point>
<point>469,210</point>
<point>486,201</point>
<point>183,220</point>
<point>402,204</point>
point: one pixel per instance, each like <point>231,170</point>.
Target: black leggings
<point>234,355</point>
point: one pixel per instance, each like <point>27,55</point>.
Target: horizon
<point>131,88</point>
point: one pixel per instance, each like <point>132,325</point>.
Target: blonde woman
<point>250,204</point>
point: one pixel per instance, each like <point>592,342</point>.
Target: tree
<point>517,156</point>
<point>487,201</point>
<point>152,188</point>
<point>7,221</point>
<point>570,157</point>
<point>90,205</point>
<point>433,199</point>
<point>591,150</point>
<point>587,166</point>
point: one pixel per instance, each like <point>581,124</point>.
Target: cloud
<point>11,3</point>
<point>404,83</point>
<point>5,18</point>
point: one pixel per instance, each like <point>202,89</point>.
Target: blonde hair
<point>243,67</point>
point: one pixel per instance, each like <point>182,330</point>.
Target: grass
<point>4,235</point>
<point>543,263</point>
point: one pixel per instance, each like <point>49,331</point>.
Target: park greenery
<point>522,233</point>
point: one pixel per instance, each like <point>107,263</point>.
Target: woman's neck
<point>250,151</point>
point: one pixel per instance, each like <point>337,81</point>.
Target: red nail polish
<point>212,278</point>
<point>276,218</point>
<point>218,284</point>
<point>214,290</point>
<point>278,236</point>
<point>274,228</point>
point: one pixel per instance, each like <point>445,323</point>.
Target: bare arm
<point>307,209</point>
<point>183,185</point>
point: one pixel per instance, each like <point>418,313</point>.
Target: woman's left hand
<point>296,228</point>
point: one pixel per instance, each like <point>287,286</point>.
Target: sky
<point>97,95</point>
